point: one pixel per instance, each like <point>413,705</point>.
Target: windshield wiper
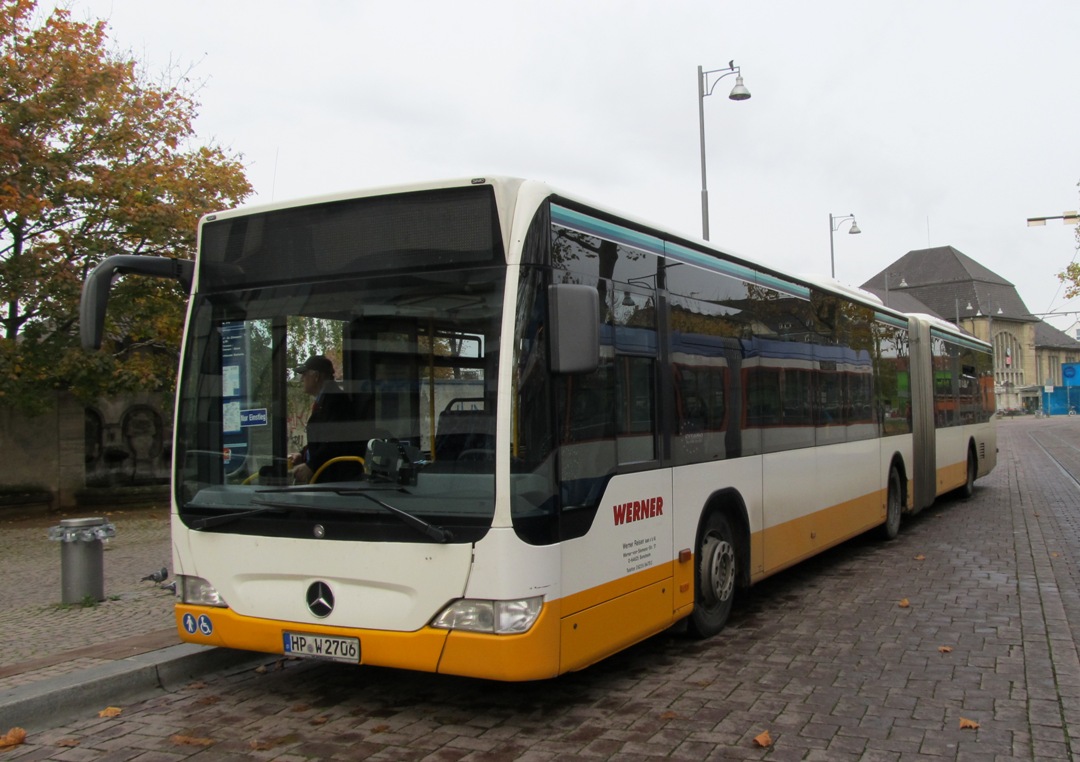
<point>434,532</point>
<point>228,518</point>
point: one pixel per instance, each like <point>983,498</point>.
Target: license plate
<point>322,646</point>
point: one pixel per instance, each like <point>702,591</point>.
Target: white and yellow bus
<point>569,429</point>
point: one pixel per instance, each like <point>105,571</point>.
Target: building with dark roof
<point>946,283</point>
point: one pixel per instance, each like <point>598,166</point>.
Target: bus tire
<point>972,470</point>
<point>894,507</point>
<point>715,574</point>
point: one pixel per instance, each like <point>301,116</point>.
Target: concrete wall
<point>112,443</point>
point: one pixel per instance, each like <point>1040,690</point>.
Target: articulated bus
<point>569,430</point>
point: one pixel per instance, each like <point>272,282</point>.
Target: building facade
<point>946,283</point>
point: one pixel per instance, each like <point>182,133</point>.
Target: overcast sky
<point>934,122</point>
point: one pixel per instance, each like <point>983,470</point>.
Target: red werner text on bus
<point>638,509</point>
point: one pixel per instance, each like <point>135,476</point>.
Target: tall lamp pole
<point>704,88</point>
<point>834,225</point>
<point>1067,218</point>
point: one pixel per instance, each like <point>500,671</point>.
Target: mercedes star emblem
<point>320,599</point>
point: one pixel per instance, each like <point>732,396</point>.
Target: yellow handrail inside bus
<point>332,461</point>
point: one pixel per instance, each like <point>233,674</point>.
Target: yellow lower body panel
<point>418,650</point>
<point>600,631</point>
<point>580,629</point>
<point>531,656</point>
<point>793,541</point>
<point>951,477</point>
<point>601,622</point>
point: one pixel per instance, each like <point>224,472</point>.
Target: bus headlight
<point>197,591</point>
<point>498,617</point>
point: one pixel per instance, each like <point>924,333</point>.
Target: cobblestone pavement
<point>37,627</point>
<point>872,651</point>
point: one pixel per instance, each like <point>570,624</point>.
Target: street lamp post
<point>738,93</point>
<point>834,225</point>
<point>903,284</point>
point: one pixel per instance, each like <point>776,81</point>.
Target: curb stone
<point>56,701</point>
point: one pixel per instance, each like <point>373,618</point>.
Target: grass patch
<point>88,602</point>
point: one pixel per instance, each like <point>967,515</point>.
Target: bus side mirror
<point>575,328</point>
<point>95,293</point>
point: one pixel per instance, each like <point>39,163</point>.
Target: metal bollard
<point>82,568</point>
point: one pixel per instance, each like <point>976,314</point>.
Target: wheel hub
<point>720,569</point>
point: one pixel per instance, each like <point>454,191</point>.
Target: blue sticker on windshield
<point>255,417</point>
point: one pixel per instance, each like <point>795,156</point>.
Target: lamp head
<point>739,92</point>
<point>854,229</point>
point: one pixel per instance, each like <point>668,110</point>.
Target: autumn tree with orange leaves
<point>95,159</point>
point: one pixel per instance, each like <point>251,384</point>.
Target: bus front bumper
<point>530,656</point>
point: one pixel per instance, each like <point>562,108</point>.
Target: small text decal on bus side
<point>638,510</point>
<point>638,554</point>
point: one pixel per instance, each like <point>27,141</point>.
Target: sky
<point>933,122</point>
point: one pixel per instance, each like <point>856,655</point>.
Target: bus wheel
<point>972,469</point>
<point>714,577</point>
<point>893,507</point>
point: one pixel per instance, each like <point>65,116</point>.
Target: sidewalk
<point>104,654</point>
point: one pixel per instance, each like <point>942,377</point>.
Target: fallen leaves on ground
<point>669,715</point>
<point>275,667</point>
<point>945,649</point>
<point>67,743</point>
<point>920,557</point>
<point>763,739</point>
<point>904,603</point>
<point>13,737</point>
<point>110,711</point>
<point>966,724</point>
<point>182,740</point>
<point>268,744</point>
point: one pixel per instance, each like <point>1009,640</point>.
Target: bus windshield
<point>409,363</point>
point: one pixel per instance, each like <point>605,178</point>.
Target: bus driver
<point>329,413</point>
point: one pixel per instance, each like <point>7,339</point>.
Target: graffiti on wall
<point>127,446</point>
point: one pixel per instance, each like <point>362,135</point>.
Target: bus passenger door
<point>617,511</point>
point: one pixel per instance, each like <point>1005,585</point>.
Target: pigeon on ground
<point>158,576</point>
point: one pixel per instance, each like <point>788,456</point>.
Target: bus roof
<point>520,196</point>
